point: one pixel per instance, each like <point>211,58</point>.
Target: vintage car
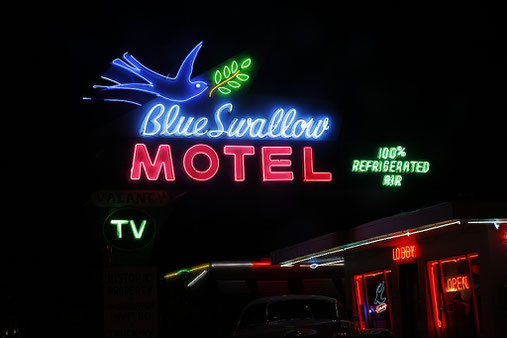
<point>298,316</point>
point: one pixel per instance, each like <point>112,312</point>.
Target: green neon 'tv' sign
<point>138,233</point>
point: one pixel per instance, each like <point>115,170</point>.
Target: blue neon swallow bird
<point>130,77</point>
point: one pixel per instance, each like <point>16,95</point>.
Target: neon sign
<point>272,157</point>
<point>128,79</point>
<point>119,223</point>
<point>380,298</point>
<point>381,308</point>
<point>379,293</point>
<point>388,162</point>
<point>129,75</point>
<point>225,81</point>
<point>128,229</point>
<point>283,124</point>
<point>403,252</point>
<point>177,107</point>
<point>459,283</point>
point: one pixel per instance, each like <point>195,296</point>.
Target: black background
<point>428,76</point>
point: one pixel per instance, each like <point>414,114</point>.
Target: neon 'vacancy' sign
<point>168,107</point>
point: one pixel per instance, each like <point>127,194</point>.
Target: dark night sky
<point>429,77</point>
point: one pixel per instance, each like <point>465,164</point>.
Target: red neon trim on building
<point>141,160</point>
<point>268,163</point>
<point>358,280</point>
<point>309,174</point>
<point>358,290</point>
<point>454,260</point>
<point>373,274</point>
<point>404,252</point>
<point>239,153</point>
<point>188,162</point>
<point>434,295</point>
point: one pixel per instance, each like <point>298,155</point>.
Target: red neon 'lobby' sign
<point>403,252</point>
<point>272,157</point>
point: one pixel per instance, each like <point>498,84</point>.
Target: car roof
<point>276,299</point>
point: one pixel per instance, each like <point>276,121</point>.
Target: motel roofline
<point>331,247</point>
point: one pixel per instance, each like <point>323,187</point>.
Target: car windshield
<point>302,309</point>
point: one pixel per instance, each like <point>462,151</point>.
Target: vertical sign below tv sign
<point>203,108</point>
<point>130,302</point>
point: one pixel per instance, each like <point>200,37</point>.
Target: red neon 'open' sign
<point>403,252</point>
<point>458,283</point>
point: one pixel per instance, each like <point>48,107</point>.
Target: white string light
<point>366,242</point>
<point>196,279</point>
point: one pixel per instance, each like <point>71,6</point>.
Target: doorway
<point>409,295</point>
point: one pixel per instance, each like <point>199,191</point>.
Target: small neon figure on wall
<point>380,299</point>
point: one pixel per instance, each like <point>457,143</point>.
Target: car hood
<point>309,327</point>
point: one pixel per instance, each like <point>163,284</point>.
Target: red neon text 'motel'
<point>239,153</point>
<point>268,163</point>
<point>309,174</point>
<point>188,162</point>
<point>271,165</point>
<point>163,160</point>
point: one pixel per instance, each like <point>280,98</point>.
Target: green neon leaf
<point>224,90</point>
<point>243,77</point>
<point>234,66</point>
<point>234,84</point>
<point>246,63</point>
<point>227,72</point>
<point>218,77</point>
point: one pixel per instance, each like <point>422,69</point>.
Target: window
<point>454,288</point>
<point>373,304</point>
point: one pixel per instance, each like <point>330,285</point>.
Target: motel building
<point>434,272</point>
<point>437,272</point>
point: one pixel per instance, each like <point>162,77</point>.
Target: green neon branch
<point>225,80</point>
<point>223,83</point>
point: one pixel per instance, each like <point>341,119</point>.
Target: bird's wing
<point>186,68</point>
